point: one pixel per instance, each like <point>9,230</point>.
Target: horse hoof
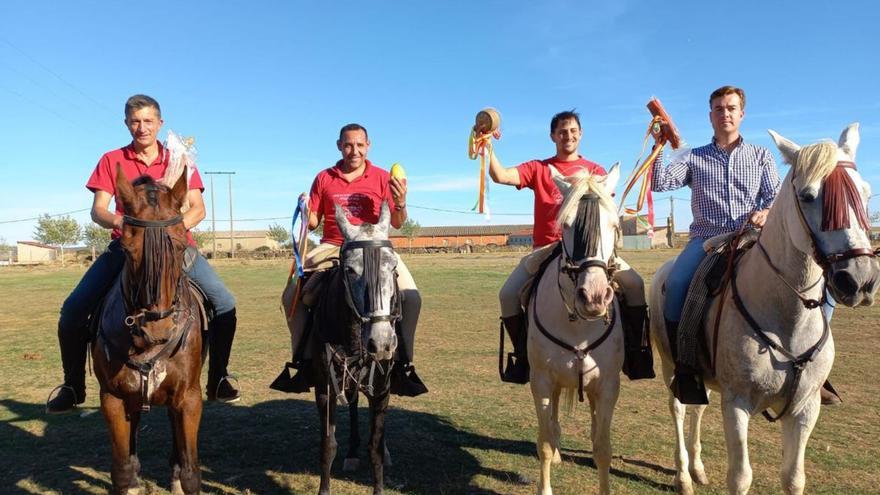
<point>134,491</point>
<point>684,486</point>
<point>557,458</point>
<point>351,464</point>
<point>700,476</point>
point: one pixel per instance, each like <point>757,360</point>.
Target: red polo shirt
<point>535,174</point>
<point>104,176</point>
<point>361,199</point>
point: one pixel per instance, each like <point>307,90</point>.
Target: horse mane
<point>582,182</point>
<point>816,161</point>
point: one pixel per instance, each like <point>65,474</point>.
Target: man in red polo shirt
<point>565,132</point>
<point>360,188</point>
<point>144,156</point>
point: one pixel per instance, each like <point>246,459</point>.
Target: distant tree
<point>278,234</point>
<point>95,237</point>
<point>202,237</point>
<point>410,229</point>
<point>5,250</point>
<point>61,231</point>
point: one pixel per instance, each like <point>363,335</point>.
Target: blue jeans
<point>101,276</point>
<point>683,271</point>
<point>680,278</point>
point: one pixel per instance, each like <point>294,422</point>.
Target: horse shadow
<point>252,449</point>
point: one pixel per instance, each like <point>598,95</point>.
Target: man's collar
<point>737,143</point>
<point>337,169</point>
<point>131,154</point>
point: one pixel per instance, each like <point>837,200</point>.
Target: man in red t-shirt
<point>145,156</point>
<point>565,132</point>
<point>360,188</point>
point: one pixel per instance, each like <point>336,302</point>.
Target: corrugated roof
<point>462,230</point>
<point>36,244</point>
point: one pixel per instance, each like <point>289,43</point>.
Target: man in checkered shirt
<point>732,182</point>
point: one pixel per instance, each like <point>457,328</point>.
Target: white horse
<point>774,348</point>
<point>575,338</point>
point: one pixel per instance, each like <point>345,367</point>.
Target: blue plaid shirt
<point>725,187</point>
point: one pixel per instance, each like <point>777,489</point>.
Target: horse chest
<point>129,381</point>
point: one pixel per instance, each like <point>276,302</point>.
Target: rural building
<point>460,236</point>
<point>635,233</point>
<point>32,252</point>
<point>245,240</point>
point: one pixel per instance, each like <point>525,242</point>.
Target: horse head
<point>154,240</point>
<point>829,221</point>
<point>589,225</point>
<point>368,264</point>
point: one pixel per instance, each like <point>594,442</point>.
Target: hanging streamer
<point>300,246</point>
<point>480,144</point>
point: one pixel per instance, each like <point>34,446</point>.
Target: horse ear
<point>789,149</point>
<point>180,189</point>
<point>348,230</point>
<point>125,191</point>
<point>559,179</point>
<point>849,140</point>
<point>612,178</point>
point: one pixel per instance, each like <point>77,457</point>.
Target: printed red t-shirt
<point>535,174</point>
<point>361,199</point>
<point>104,176</point>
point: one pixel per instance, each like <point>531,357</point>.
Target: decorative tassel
<point>839,196</point>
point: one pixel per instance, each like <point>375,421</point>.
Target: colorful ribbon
<point>481,146</point>
<point>644,172</point>
<point>300,246</point>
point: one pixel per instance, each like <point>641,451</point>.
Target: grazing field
<point>470,435</point>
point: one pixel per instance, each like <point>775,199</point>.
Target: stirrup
<point>689,389</point>
<point>517,370</point>
<point>52,395</point>
<point>228,379</point>
<point>406,382</point>
<point>297,384</point>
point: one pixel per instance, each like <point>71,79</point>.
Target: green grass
<point>470,435</point>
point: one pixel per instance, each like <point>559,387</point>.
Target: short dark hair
<point>563,116</point>
<point>353,127</point>
<point>137,102</point>
<point>728,90</point>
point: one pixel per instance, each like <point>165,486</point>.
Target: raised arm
<point>676,175</point>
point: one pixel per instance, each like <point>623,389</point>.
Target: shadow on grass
<point>254,448</point>
<point>583,458</point>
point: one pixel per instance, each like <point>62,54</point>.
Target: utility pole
<point>670,230</point>
<point>213,216</point>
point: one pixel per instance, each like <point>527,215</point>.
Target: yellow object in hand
<point>398,172</point>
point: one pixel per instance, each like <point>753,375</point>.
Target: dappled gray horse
<point>354,339</point>
<point>774,347</point>
<point>575,339</point>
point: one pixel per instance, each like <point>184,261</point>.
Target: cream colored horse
<point>575,337</point>
<point>755,375</point>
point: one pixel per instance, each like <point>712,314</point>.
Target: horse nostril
<point>844,282</point>
<point>372,348</point>
<point>582,295</point>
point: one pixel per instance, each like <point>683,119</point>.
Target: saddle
<point>709,281</point>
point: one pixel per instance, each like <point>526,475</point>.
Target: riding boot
<point>517,370</point>
<point>404,380</point>
<point>74,346</point>
<point>638,358</point>
<point>220,336</point>
<point>687,385</point>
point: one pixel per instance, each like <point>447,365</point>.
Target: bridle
<point>372,306</point>
<point>823,260</point>
<point>137,317</point>
<point>585,249</point>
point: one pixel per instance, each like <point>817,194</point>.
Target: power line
<point>50,216</point>
<point>464,212</point>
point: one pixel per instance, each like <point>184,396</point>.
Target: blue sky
<point>265,87</point>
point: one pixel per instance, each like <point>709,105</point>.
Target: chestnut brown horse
<point>148,347</point>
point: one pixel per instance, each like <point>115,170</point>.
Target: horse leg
<point>542,393</point>
<point>378,406</point>
<point>327,415</point>
<point>122,472</point>
<point>736,433</point>
<point>556,429</point>
<point>602,405</point>
<point>134,422</point>
<point>796,430</point>
<point>683,483</point>
<point>186,415</point>
<point>352,462</point>
<point>174,458</point>
<point>695,446</point>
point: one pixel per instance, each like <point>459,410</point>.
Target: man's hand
<point>659,131</point>
<point>758,218</point>
<point>398,192</point>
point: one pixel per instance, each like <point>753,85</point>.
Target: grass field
<point>470,435</point>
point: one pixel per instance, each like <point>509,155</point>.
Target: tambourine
<point>488,121</point>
